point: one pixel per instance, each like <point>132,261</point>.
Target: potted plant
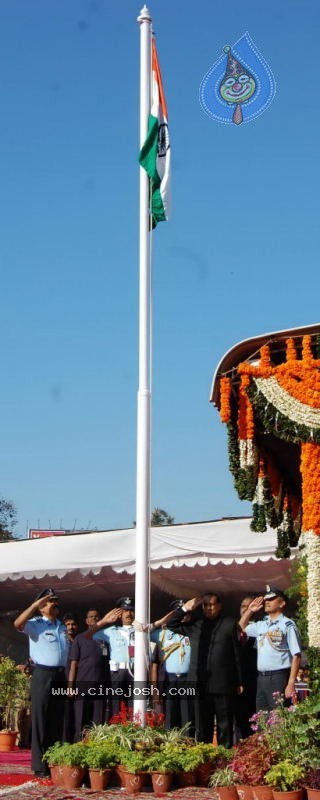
<point>224,781</point>
<point>285,779</point>
<point>251,759</point>
<point>100,760</point>
<point>54,757</point>
<point>162,765</point>
<point>188,760</point>
<point>293,731</point>
<point>71,758</point>
<point>312,783</point>
<point>14,695</point>
<point>213,757</point>
<point>135,770</point>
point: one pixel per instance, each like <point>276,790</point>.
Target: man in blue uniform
<point>278,647</point>
<point>170,665</point>
<point>120,641</point>
<point>49,649</point>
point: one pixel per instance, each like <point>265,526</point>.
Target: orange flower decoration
<point>265,360</point>
<point>306,349</point>
<point>245,411</point>
<point>225,397</point>
<point>291,350</point>
<point>310,471</point>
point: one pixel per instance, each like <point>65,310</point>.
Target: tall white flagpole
<point>144,391</point>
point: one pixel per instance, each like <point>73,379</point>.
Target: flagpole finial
<point>144,15</point>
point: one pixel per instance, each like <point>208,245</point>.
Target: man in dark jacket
<point>215,670</point>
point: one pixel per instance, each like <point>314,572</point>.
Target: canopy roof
<point>222,555</point>
<point>249,348</point>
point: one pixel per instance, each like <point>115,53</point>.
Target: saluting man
<point>120,642</point>
<point>170,665</point>
<point>49,649</point>
<point>278,647</point>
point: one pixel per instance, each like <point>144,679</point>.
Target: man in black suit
<point>215,670</point>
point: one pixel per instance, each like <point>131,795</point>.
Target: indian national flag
<point>155,153</point>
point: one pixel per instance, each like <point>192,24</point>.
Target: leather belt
<point>177,674</point>
<point>45,666</point>
<point>273,671</point>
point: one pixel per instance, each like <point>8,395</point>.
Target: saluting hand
<point>112,616</point>
<point>256,605</point>
<point>39,604</point>
<point>190,605</point>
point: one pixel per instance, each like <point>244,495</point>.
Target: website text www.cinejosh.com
<point>137,690</point>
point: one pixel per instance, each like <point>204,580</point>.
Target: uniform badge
<point>275,637</point>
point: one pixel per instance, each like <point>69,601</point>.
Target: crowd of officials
<point>206,669</point>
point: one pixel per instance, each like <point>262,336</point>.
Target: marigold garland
<point>272,409</point>
<point>291,353</point>
<point>265,360</point>
<point>242,407</point>
<point>307,390</point>
<point>245,412</point>
<point>306,349</point>
<point>225,397</point>
<point>310,471</point>
<point>285,398</point>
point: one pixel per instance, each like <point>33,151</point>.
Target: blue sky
<point>239,257</point>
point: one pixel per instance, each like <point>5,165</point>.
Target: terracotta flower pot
<point>73,777</point>
<point>134,781</point>
<point>119,771</point>
<point>313,794</point>
<point>187,778</point>
<point>295,794</point>
<point>225,792</point>
<point>245,792</point>
<point>7,740</point>
<point>262,793</point>
<point>161,781</point>
<point>56,772</point>
<point>99,778</point>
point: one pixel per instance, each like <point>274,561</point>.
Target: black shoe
<point>42,774</point>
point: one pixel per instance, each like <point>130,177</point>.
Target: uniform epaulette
<point>289,623</point>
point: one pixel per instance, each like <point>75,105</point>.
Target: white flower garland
<point>247,453</point>
<point>297,412</point>
<point>312,545</point>
<point>259,496</point>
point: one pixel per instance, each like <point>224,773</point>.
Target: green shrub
<point>284,776</point>
<point>165,760</point>
<point>67,755</point>
<point>135,761</point>
<point>210,753</point>
<point>103,756</point>
<point>189,758</point>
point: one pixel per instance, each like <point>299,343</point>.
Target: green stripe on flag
<point>148,160</point>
